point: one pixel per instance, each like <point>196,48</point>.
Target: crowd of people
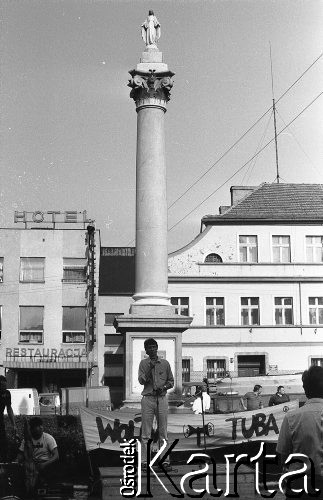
<point>301,430</point>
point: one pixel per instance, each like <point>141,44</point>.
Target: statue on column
<point>150,30</point>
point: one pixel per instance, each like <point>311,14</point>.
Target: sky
<point>68,125</point>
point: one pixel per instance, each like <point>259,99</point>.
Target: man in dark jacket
<point>279,398</point>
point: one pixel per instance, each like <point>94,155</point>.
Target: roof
<point>276,203</point>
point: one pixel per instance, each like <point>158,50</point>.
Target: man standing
<point>279,398</point>
<point>156,376</point>
<point>253,399</point>
<point>302,430</point>
<point>5,402</point>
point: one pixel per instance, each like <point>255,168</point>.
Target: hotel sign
<point>52,217</point>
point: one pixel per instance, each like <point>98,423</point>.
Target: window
<point>74,270</point>
<point>283,310</point>
<point>251,365</point>
<point>181,305</point>
<point>109,318</point>
<point>314,248</point>
<point>317,361</point>
<point>32,269</point>
<point>186,370</point>
<point>1,269</point>
<point>281,248</point>
<point>31,322</point>
<point>73,325</point>
<point>250,310</point>
<point>214,310</point>
<point>213,257</point>
<point>315,307</point>
<point>248,248</point>
<point>215,368</point>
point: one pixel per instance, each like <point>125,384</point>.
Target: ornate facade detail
<point>150,86</point>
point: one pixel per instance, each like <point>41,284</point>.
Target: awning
<point>43,365</point>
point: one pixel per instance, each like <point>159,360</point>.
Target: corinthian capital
<point>150,85</point>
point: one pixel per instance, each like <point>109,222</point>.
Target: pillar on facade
<point>151,314</point>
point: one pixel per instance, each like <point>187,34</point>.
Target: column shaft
<point>151,208</point>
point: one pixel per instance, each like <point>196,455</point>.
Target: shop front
<point>47,370</point>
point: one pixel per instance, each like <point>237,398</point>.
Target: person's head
<point>151,347</point>
<point>151,13</point>
<point>313,382</point>
<point>280,389</point>
<point>257,388</point>
<point>36,427</point>
<point>3,383</point>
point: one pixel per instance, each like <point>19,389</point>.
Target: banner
<point>108,431</point>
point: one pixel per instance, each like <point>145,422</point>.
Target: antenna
<point>274,112</point>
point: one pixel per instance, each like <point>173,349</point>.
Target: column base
<point>150,299</point>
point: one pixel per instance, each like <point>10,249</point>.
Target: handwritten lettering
<point>259,426</point>
<point>119,432</point>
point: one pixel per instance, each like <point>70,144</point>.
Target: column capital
<point>151,88</point>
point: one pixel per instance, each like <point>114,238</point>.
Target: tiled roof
<point>277,202</point>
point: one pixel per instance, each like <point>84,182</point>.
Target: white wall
<point>224,241</point>
<point>289,347</point>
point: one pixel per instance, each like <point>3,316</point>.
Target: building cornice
<point>250,344</point>
<point>218,221</point>
<point>245,279</point>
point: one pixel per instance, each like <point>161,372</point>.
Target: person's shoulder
<point>294,414</point>
<point>48,436</point>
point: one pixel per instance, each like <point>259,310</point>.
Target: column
<point>151,83</point>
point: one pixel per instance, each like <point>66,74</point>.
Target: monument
<point>151,314</point>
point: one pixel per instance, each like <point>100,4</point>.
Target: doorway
<point>251,365</point>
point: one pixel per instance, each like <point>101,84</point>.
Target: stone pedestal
<point>151,314</point>
<point>167,330</point>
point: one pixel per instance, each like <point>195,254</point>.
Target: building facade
<point>253,283</point>
<point>48,337</point>
<point>252,280</point>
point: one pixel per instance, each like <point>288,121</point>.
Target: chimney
<point>223,209</point>
<point>240,192</point>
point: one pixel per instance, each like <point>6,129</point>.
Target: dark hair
<point>35,422</point>
<point>280,387</point>
<point>313,382</point>
<point>151,13</point>
<point>3,378</point>
<point>257,387</point>
<point>149,342</point>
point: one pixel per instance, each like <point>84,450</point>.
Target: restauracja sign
<point>46,354</point>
